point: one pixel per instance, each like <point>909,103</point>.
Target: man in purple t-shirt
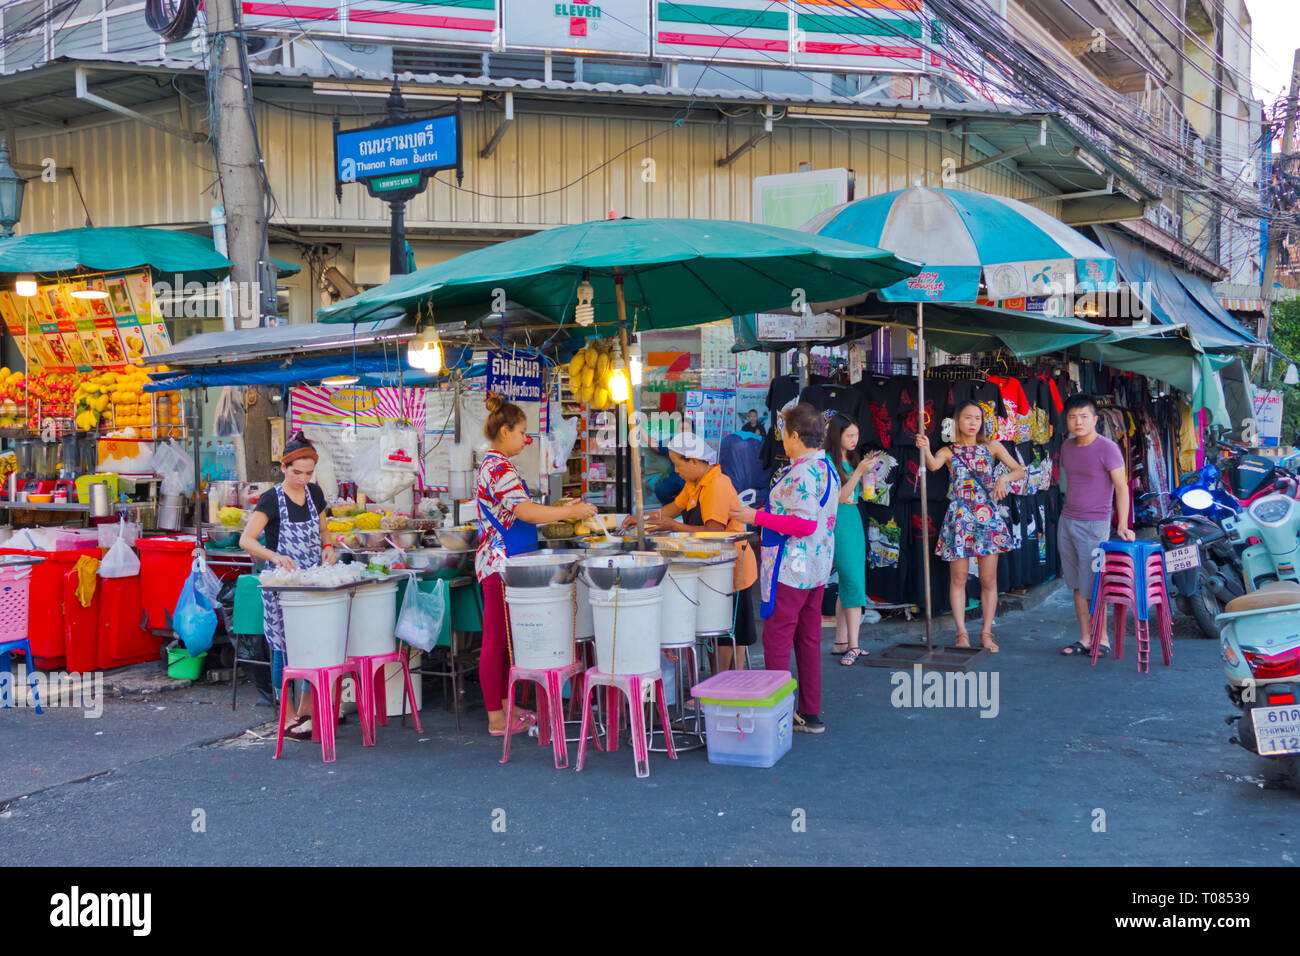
<point>1092,467</point>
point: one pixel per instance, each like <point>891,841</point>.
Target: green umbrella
<point>677,272</point>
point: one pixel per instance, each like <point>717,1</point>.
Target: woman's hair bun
<point>493,401</point>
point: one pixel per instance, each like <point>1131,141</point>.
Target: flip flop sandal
<point>1103,651</point>
<point>963,639</point>
<point>987,642</point>
<point>299,730</point>
<point>851,657</point>
<point>523,724</point>
<point>839,653</point>
<point>1075,650</point>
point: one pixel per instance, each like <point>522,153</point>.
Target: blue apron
<point>520,537</point>
<point>773,545</point>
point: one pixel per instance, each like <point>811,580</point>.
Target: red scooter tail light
<point>1286,664</point>
<point>1174,534</point>
<point>1282,699</point>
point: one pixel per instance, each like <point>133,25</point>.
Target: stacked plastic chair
<point>1119,584</point>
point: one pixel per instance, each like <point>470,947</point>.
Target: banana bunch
<point>589,372</point>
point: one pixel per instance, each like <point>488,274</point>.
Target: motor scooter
<point>1261,631</point>
<point>1202,565</point>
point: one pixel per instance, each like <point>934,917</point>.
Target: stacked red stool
<point>1119,584</point>
<point>550,705</point>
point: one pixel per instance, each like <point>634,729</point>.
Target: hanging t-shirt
<point>779,393</point>
<point>884,532</point>
<point>1015,415</point>
<point>878,409</point>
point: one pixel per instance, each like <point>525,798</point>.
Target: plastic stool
<point>682,693</point>
<point>6,652</point>
<point>638,688</point>
<point>326,685</point>
<point>372,697</point>
<point>550,706</point>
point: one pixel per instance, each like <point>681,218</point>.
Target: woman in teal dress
<point>841,448</point>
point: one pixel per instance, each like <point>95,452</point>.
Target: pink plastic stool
<point>550,706</point>
<point>639,689</point>
<point>372,696</point>
<point>1123,598</point>
<point>326,685</point>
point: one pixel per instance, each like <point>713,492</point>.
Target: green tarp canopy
<point>118,249</point>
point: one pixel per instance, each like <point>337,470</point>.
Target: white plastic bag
<point>420,623</point>
<point>375,481</point>
<point>175,468</point>
<point>120,562</point>
<point>399,448</point>
<point>563,436</point>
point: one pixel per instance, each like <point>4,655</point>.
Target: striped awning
<point>1242,305</point>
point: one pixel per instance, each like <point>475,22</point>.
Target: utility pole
<point>1275,230</point>
<point>239,165</point>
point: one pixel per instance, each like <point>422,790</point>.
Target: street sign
<point>516,378</point>
<point>383,184</point>
<point>421,145</point>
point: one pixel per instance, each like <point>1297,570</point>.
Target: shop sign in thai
<point>58,331</point>
<point>515,377</point>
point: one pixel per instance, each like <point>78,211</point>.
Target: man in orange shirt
<point>705,505</point>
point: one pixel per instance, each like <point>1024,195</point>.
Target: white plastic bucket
<point>627,629</point>
<point>315,628</point>
<point>717,601</point>
<point>541,626</point>
<point>374,619</point>
<point>681,589</point>
<point>585,626</point>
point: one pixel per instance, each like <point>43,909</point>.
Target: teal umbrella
<point>675,272</point>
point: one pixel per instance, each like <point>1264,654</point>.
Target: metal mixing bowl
<point>438,559</point>
<point>222,536</point>
<point>629,571</point>
<point>462,538</point>
<point>540,569</point>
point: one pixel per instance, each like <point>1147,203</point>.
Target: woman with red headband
<point>294,516</point>
<point>510,520</point>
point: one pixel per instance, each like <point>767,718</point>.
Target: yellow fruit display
<point>369,521</point>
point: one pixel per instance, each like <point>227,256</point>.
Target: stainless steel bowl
<point>438,559</point>
<point>541,569</point>
<point>405,539</point>
<point>634,571</point>
<point>463,538</point>
<point>222,536</point>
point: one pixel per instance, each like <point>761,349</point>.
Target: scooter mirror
<point>1197,499</point>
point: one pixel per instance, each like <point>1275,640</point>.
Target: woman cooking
<point>705,504</point>
<point>509,528</point>
<point>294,517</point>
<point>798,550</point>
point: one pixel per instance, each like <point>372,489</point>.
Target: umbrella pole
<point>633,439</point>
<point>922,471</point>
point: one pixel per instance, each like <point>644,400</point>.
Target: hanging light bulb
<point>1292,376</point>
<point>634,370</point>
<point>25,285</point>
<point>339,381</point>
<point>89,294</point>
<point>585,313</point>
<point>425,351</point>
<point>618,387</point>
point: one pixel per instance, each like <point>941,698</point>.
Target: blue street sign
<point>516,378</point>
<point>409,147</point>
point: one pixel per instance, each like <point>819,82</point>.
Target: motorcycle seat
<point>1273,594</point>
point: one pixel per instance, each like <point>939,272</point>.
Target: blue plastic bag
<point>195,618</point>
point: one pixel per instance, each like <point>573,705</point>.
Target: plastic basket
<point>15,592</point>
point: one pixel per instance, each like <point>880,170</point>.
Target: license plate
<point>1277,729</point>
<point>1182,559</point>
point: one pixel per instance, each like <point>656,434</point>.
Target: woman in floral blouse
<point>798,554</point>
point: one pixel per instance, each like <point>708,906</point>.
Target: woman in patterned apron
<point>293,515</point>
<point>704,504</point>
<point>973,527</point>
<point>509,528</point>
<point>798,551</point>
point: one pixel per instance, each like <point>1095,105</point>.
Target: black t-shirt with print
<point>269,506</point>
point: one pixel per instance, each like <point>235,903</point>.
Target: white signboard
<point>791,199</point>
<point>609,26</point>
<point>1268,417</point>
<point>785,327</point>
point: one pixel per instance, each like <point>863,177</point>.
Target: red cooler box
<point>164,565</point>
<point>80,627</point>
<point>45,621</point>
<point>123,636</point>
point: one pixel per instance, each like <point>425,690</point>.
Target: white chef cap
<point>691,445</point>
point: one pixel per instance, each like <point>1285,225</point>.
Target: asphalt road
<point>1072,747</point>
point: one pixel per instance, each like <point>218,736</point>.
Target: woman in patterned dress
<point>973,528</point>
<point>798,550</point>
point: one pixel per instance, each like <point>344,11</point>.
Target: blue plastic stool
<point>1138,552</point>
<point>6,649</point>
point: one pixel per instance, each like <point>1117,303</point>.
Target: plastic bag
<point>563,436</point>
<point>420,623</point>
<point>195,618</point>
<point>175,468</point>
<point>120,562</point>
<point>399,448</point>
<point>373,479</point>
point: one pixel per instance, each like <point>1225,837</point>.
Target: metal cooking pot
<point>438,559</point>
<point>631,572</point>
<point>541,569</point>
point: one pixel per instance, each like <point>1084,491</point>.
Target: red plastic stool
<point>326,685</point>
<point>372,695</point>
<point>639,689</point>
<point>550,706</point>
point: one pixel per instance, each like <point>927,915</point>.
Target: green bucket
<point>181,666</point>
